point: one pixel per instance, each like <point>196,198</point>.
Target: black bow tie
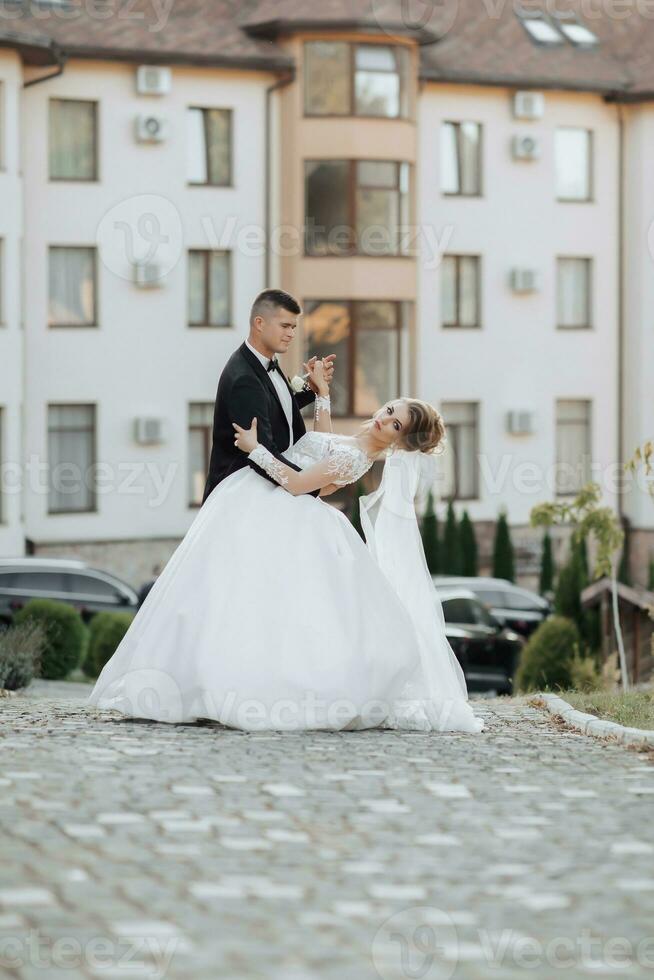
<point>274,364</point>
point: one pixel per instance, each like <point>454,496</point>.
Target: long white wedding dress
<point>272,613</point>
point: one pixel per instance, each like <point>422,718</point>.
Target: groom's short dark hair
<point>272,299</point>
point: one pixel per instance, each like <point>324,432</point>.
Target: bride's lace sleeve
<point>346,464</point>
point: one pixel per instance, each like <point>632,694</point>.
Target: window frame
<point>207,438</point>
<point>404,95</point>
<point>588,422</point>
<point>480,157</point>
<point>96,142</point>
<point>206,325</point>
<point>229,183</point>
<point>353,187</point>
<point>77,326</point>
<point>452,429</point>
<point>398,329</point>
<point>93,429</point>
<point>590,174</point>
<point>589,325</point>
<point>457,325</point>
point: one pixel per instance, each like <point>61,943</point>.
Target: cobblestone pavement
<point>136,849</point>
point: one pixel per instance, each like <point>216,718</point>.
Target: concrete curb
<point>591,725</point>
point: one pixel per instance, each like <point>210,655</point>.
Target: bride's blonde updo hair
<point>425,432</point>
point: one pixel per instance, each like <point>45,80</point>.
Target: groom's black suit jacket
<point>245,389</point>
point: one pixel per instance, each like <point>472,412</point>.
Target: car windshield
<point>465,611</point>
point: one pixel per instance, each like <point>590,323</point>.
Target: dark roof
<point>462,41</point>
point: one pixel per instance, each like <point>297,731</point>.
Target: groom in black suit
<point>253,384</point>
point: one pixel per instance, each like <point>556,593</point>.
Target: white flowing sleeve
<point>346,464</point>
<point>269,463</point>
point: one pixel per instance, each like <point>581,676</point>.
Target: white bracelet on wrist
<point>322,404</point>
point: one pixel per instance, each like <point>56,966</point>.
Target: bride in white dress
<point>273,614</point>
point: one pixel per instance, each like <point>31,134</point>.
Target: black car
<point>487,651</point>
<point>517,608</point>
<point>73,582</point>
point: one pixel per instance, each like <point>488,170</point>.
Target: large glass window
<point>71,457</point>
<point>200,425</point>
<point>460,291</point>
<point>460,459</point>
<point>72,140</point>
<point>343,79</point>
<point>573,285</point>
<point>209,299</point>
<point>209,147</point>
<point>573,445</point>
<point>72,286</point>
<point>356,207</point>
<point>461,158</point>
<point>366,338</point>
<point>573,152</point>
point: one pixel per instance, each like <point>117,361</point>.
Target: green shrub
<point>547,658</point>
<point>469,551</point>
<point>106,631</point>
<point>451,546</point>
<point>430,540</point>
<point>503,563</point>
<point>65,635</point>
<point>21,648</point>
<point>585,674</point>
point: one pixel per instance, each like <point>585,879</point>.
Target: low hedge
<point>66,635</point>
<point>21,649</point>
<point>548,658</point>
<point>105,633</point>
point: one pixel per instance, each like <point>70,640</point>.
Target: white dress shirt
<point>282,391</point>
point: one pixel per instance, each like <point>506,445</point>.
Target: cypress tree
<point>355,516</point>
<point>651,575</point>
<point>503,564</point>
<point>546,565</point>
<point>451,551</point>
<point>468,541</point>
<point>430,540</point>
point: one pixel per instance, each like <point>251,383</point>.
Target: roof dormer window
<point>540,30</point>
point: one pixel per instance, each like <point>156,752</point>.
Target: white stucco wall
<point>143,359</point>
<point>639,301</point>
<point>11,334</point>
<point>519,360</point>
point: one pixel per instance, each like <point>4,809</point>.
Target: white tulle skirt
<point>272,614</point>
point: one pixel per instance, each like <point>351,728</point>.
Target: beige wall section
<point>309,138</point>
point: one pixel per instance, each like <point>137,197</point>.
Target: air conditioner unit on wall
<point>148,275</point>
<point>150,129</point>
<point>525,148</point>
<point>149,432</point>
<point>520,423</point>
<point>528,105</point>
<point>524,280</point>
<point>153,80</point>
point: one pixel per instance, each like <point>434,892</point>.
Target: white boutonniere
<point>297,384</point>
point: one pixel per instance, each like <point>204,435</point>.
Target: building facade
<point>479,237</point>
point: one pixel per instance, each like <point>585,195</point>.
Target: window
<point>209,147</point>
<point>576,32</point>
<point>209,294</point>
<point>35,582</point>
<point>366,338</point>
<point>71,456</point>
<point>2,280</point>
<point>574,293</point>
<point>461,158</point>
<point>342,79</point>
<point>356,207</point>
<point>88,585</point>
<point>573,447</point>
<point>200,423</point>
<point>73,140</point>
<point>460,291</point>
<point>540,30</point>
<point>72,276</point>
<point>460,458</point>
<point>573,151</point>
